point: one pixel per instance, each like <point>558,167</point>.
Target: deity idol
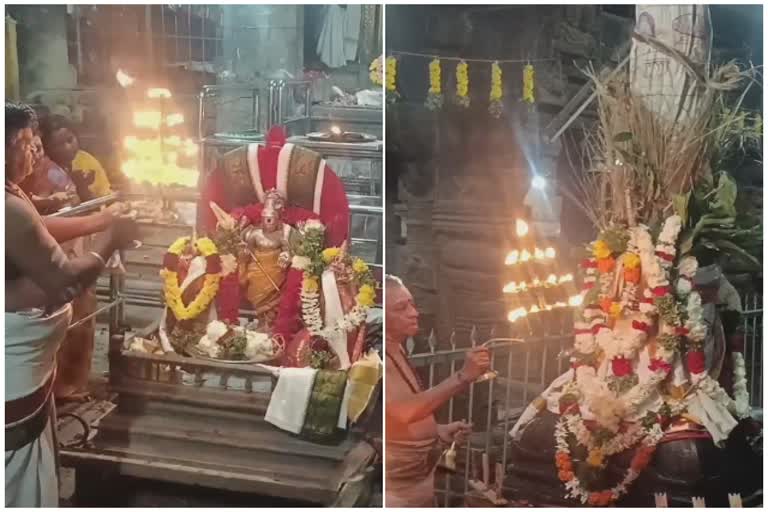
<point>265,258</point>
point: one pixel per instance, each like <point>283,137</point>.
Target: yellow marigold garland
<point>528,83</point>
<point>377,72</point>
<point>171,288</point>
<point>496,107</point>
<point>462,84</point>
<point>391,78</point>
<point>435,95</point>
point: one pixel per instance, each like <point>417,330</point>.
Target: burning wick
<point>124,79</point>
<point>521,227</point>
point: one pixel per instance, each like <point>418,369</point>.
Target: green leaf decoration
<point>725,196</point>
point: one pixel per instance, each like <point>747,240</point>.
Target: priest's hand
<point>477,363</point>
<point>457,432</point>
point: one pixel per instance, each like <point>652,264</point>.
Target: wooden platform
<point>166,434</point>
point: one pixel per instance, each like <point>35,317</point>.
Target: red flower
<point>640,326</point>
<point>661,291</point>
<point>589,286</point>
<point>597,328</point>
<point>681,331</point>
<point>665,256</point>
<point>171,261</point>
<point>213,264</point>
<point>582,331</point>
<point>621,366</point>
<point>589,264</point>
<point>659,365</point>
<point>695,361</point>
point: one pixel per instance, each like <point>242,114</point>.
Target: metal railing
<point>525,367</point>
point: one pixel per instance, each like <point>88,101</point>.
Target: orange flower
<point>642,458</point>
<point>563,461</point>
<point>606,265</point>
<point>605,305</point>
<point>632,275</point>
<point>565,476</point>
<point>600,498</point>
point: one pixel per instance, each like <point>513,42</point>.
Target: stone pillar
<point>42,43</point>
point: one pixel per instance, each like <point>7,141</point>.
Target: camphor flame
<point>157,157</point>
<point>124,79</point>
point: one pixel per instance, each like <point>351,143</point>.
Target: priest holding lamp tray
<point>413,437</point>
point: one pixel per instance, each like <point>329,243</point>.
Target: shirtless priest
<point>414,439</point>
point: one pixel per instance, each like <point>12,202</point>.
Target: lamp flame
<point>335,130</point>
<point>512,258</point>
<point>522,227</point>
<point>124,79</point>
<point>158,92</point>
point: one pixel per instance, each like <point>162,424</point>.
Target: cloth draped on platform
<point>288,404</point>
<point>31,342</point>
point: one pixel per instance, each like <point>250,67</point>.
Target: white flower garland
<point>574,486</point>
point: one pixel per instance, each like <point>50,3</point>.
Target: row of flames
<point>522,256</point>
<point>157,159</point>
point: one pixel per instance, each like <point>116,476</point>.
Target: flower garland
<point>567,473</point>
<point>462,84</point>
<point>171,288</point>
<point>496,107</point>
<point>528,83</point>
<point>376,72</point>
<point>391,79</point>
<point>435,96</point>
<point>313,260</point>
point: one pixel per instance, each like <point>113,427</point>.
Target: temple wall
<point>462,176</point>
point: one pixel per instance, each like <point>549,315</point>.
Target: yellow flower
<point>391,73</point>
<point>206,247</point>
<point>330,254</point>
<point>595,457</point>
<point>601,250</point>
<point>434,77</point>
<point>631,260</point>
<point>310,284</point>
<point>462,79</point>
<point>528,84</point>
<point>615,310</point>
<point>366,296</point>
<point>179,245</point>
<point>360,266</point>
<point>495,82</point>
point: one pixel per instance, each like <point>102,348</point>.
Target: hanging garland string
<point>462,84</point>
<point>496,106</point>
<point>391,78</point>
<point>528,84</point>
<point>435,94</point>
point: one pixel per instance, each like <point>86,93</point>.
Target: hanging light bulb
<point>512,258</point>
<point>549,252</point>
<point>552,279</point>
<point>538,254</point>
<point>525,256</point>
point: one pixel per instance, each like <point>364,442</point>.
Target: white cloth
<point>31,343</point>
<point>288,404</point>
<point>333,313</point>
<point>339,36</point>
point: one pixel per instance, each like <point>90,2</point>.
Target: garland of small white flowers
<point>312,260</point>
<point>576,490</point>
